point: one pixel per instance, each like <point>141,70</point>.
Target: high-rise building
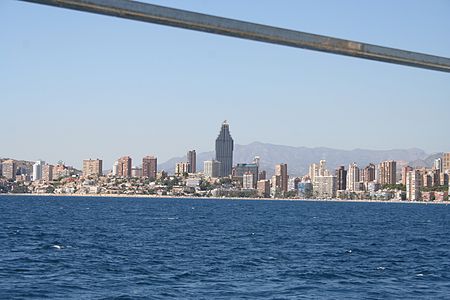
<point>92,167</point>
<point>9,168</point>
<point>37,170</point>
<point>262,175</point>
<point>247,181</point>
<point>242,169</point>
<point>405,171</point>
<point>353,177</point>
<point>47,172</point>
<point>341,178</point>
<point>437,164</point>
<point>181,168</point>
<point>281,171</point>
<point>388,172</point>
<point>149,167</point>
<point>192,160</point>
<point>446,162</point>
<point>136,172</point>
<point>413,184</point>
<point>324,187</point>
<point>224,150</point>
<point>368,173</point>
<point>313,171</point>
<point>211,168</point>
<point>263,188</point>
<point>124,167</point>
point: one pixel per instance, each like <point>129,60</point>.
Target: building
<point>368,173</point>
<point>37,170</point>
<point>388,171</point>
<point>413,184</point>
<point>446,162</point>
<point>341,178</point>
<point>9,168</point>
<point>262,175</point>
<point>437,164</point>
<point>149,167</point>
<point>124,167</point>
<point>211,168</point>
<point>324,187</point>
<point>405,171</point>
<point>92,167</point>
<point>136,172</point>
<point>281,171</point>
<point>224,150</point>
<point>247,181</point>
<point>242,169</point>
<point>305,189</point>
<point>353,177</point>
<point>181,168</point>
<point>192,160</point>
<point>263,188</point>
<point>47,172</point>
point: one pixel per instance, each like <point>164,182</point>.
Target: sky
<point>75,85</point>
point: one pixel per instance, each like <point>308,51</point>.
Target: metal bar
<point>207,23</point>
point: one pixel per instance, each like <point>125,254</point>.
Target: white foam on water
<point>381,268</point>
<point>419,275</point>
<point>57,247</point>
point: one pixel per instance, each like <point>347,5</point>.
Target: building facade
<point>224,150</point>
<point>353,177</point>
<point>181,168</point>
<point>47,172</point>
<point>192,160</point>
<point>211,168</point>
<point>341,178</point>
<point>149,167</point>
<point>124,167</point>
<point>9,169</point>
<point>388,172</point>
<point>281,172</point>
<point>92,167</point>
<point>324,187</point>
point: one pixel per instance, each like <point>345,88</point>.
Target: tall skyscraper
<point>149,167</point>
<point>341,178</point>
<point>413,184</point>
<point>211,168</point>
<point>405,171</point>
<point>388,172</point>
<point>192,160</point>
<point>47,172</point>
<point>9,168</point>
<point>281,171</point>
<point>124,167</point>
<point>224,150</point>
<point>446,162</point>
<point>37,169</point>
<point>353,177</point>
<point>92,167</point>
<point>368,173</point>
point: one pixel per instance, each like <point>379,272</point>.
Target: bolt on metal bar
<point>218,25</point>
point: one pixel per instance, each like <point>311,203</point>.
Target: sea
<point>150,248</point>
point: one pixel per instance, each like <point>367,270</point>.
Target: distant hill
<point>299,158</point>
<point>426,162</point>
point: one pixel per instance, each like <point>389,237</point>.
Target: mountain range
<point>298,159</point>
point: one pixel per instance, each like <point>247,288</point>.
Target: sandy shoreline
<point>220,198</point>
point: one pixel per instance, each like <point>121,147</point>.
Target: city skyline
<point>74,88</point>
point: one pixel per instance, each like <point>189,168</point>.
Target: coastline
<point>224,198</point>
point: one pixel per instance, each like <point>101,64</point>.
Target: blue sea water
<point>139,248</point>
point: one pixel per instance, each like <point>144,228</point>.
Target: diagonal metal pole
<point>207,23</point>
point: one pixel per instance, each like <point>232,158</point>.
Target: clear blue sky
<point>75,85</point>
